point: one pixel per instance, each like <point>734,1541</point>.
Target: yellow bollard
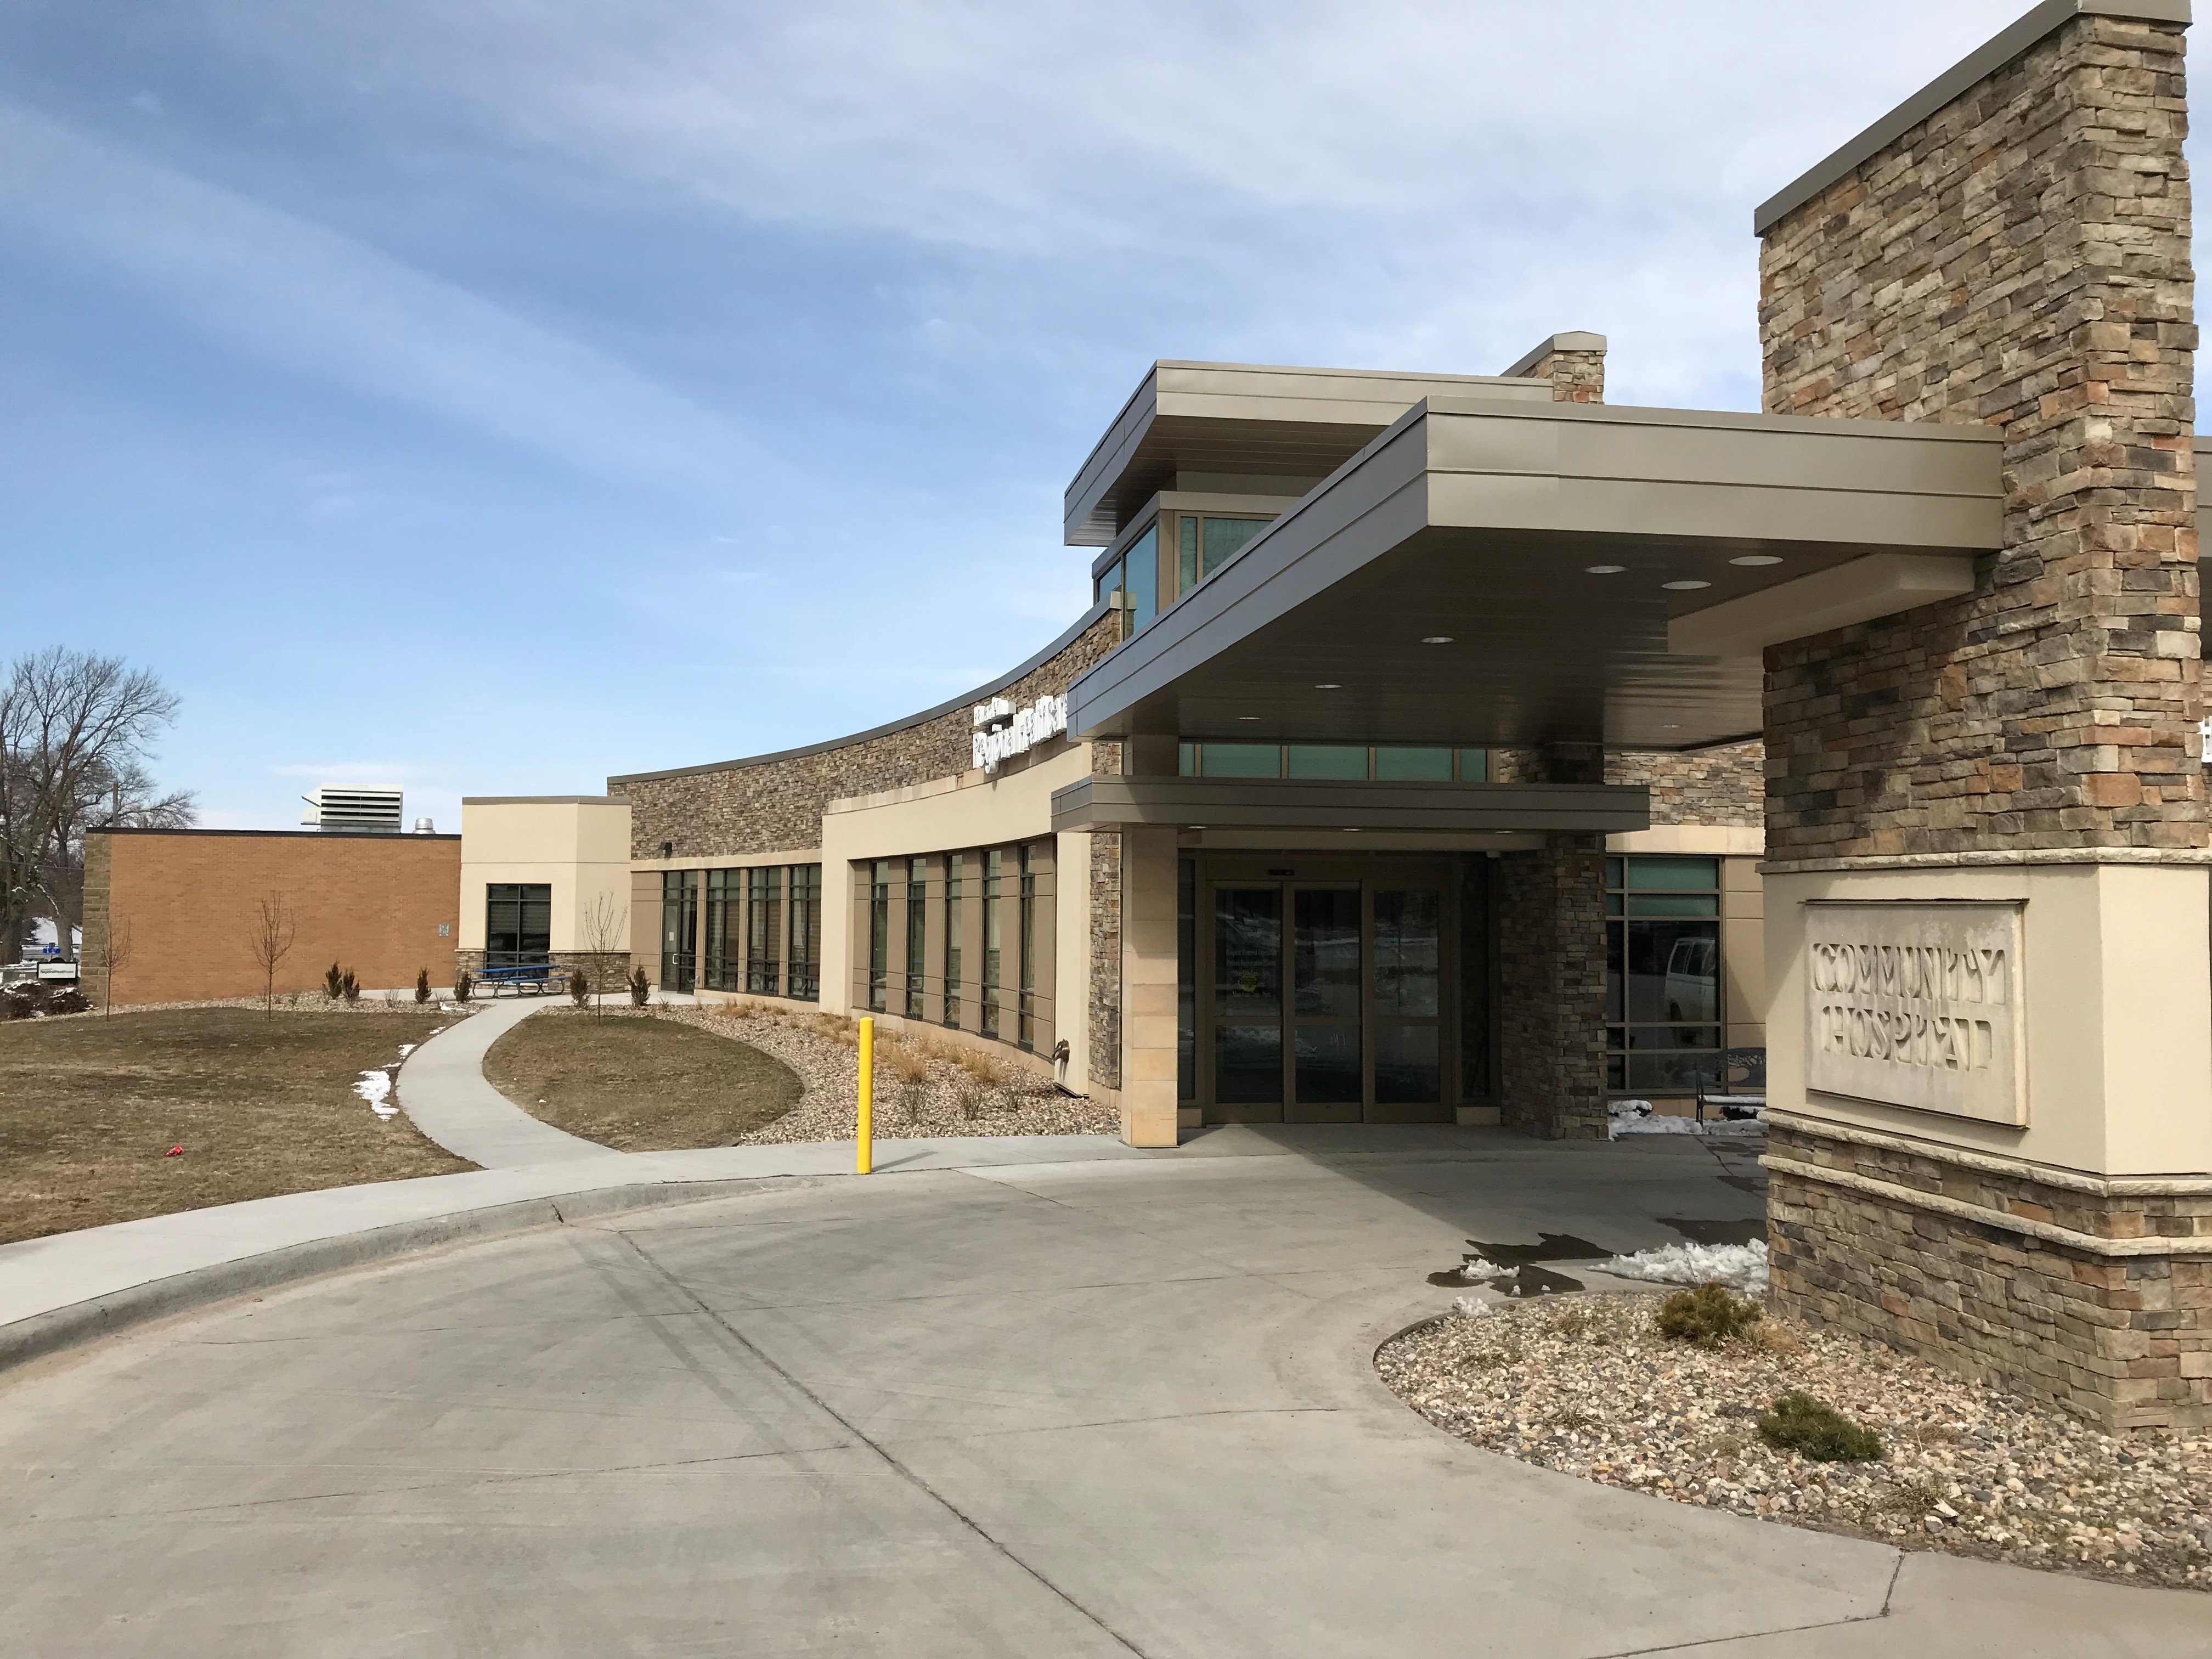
<point>867,1127</point>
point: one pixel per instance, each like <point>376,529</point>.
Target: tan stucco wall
<point>579,847</point>
<point>2116,1001</point>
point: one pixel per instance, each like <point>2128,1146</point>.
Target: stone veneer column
<point>1551,918</point>
<point>1573,362</point>
<point>1990,1040</point>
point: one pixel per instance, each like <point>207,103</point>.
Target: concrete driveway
<point>1070,1409</point>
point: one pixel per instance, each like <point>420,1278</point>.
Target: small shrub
<point>1707,1316</point>
<point>348,986</point>
<point>640,989</point>
<point>463,982</point>
<point>421,985</point>
<point>67,1000</point>
<point>579,988</point>
<point>1800,1423</point>
<point>333,982</point>
<point>906,1063</point>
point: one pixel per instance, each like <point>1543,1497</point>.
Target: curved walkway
<point>1109,1407</point>
<point>444,1093</point>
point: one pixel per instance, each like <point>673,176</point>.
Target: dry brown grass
<point>640,1086</point>
<point>262,1104</point>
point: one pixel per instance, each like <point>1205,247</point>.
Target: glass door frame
<point>1290,873</point>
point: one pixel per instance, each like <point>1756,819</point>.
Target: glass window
<point>1143,560</point>
<point>1224,539</point>
<point>1240,760</point>
<point>805,881</point>
<point>879,934</point>
<point>1413,765</point>
<point>1108,582</point>
<point>1475,766</point>
<point>1324,759</point>
<point>1025,1010</point>
<point>1185,979</point>
<point>518,923</point>
<point>955,918</point>
<point>1664,1019</point>
<point>993,870</point>
<point>1187,556</point>
<point>1186,760</point>
<point>765,930</point>
<point>917,933</point>
<point>724,968</point>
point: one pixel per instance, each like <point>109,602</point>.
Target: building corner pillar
<point>1148,986</point>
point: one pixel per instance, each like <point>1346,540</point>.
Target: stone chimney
<point>1573,362</point>
<point>2009,248</point>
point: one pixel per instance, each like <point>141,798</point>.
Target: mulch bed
<point>1585,1384</point>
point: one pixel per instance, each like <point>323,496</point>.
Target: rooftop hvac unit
<point>335,806</point>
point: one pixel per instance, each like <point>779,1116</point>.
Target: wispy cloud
<point>323,304</point>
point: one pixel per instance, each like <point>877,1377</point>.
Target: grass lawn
<point>262,1104</point>
<point>639,1086</point>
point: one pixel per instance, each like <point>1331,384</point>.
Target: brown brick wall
<point>779,804</point>
<point>1722,785</point>
<point>2123,1339</point>
<point>2021,259</point>
<point>190,900</point>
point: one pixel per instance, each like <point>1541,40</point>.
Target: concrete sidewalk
<point>1082,1406</point>
<point>443,1090</point>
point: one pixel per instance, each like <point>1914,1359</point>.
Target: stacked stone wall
<point>778,805</point>
<point>1577,377</point>
<point>2021,259</point>
<point>1725,785</point>
<point>1550,909</point>
<point>1105,1011</point>
<point>605,971</point>
<point>2095,1296</point>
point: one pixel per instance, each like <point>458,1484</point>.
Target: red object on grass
<point>174,1151</point>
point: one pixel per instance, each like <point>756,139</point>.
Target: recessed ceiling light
<point>1604,569</point>
<point>1193,826</point>
<point>1436,638</point>
<point>1756,558</point>
<point>1247,717</point>
<point>1684,587</point>
<point>1327,685</point>
<point>1350,830</point>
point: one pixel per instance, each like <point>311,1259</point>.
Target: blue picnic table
<point>537,976</point>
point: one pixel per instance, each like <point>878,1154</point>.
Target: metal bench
<point>536,976</point>
<point>1739,1088</point>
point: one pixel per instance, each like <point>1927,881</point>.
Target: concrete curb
<point>81,1322</point>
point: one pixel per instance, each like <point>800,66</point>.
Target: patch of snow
<point>405,1049</point>
<point>1636,1117</point>
<point>1471,1307</point>
<point>1476,1271</point>
<point>376,1088</point>
<point>1739,1267</point>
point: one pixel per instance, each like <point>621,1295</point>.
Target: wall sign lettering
<point>1918,1005</point>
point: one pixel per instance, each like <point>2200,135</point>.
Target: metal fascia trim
<point>1976,65</point>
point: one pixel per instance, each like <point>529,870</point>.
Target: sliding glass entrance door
<point>1328,1080</point>
<point>1328,1000</point>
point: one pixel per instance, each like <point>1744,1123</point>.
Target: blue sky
<point>485,396</point>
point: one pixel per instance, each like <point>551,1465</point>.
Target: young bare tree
<point>604,927</point>
<point>274,927</point>
<point>115,956</point>
<point>76,732</point>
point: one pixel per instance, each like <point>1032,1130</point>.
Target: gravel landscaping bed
<point>1585,1384</point>
<point>979,1095</point>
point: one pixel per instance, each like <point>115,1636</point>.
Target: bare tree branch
<point>274,927</point>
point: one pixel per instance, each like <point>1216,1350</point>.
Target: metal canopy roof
<point>1472,519</point>
<point>1276,430</point>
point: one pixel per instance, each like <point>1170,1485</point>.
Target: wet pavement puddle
<point>1518,1273</point>
<point>1717,1233</point>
